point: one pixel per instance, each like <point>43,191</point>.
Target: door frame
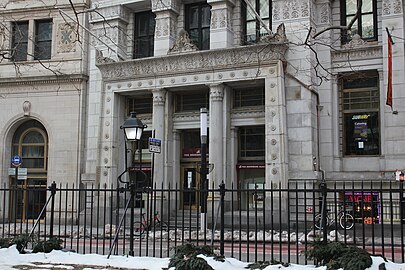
<point>196,204</point>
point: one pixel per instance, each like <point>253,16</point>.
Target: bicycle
<point>146,225</point>
<point>346,220</point>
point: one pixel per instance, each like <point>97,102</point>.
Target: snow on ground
<point>10,259</point>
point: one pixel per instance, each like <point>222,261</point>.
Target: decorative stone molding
<point>278,37</point>
<point>159,97</point>
<point>216,92</point>
<point>324,13</point>
<point>219,18</point>
<point>357,54</point>
<point>27,108</point>
<point>66,37</point>
<point>246,113</point>
<point>159,5</point>
<point>356,42</point>
<point>194,62</point>
<point>183,43</point>
<point>165,26</point>
<point>391,7</point>
<point>109,35</point>
<point>290,9</point>
<point>101,59</point>
<point>110,13</point>
<point>2,38</point>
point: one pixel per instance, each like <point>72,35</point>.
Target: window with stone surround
<point>19,42</point>
<point>253,28</point>
<point>360,113</point>
<point>251,140</point>
<point>144,36</point>
<point>366,24</point>
<point>191,101</point>
<point>43,39</point>
<point>197,22</point>
<point>140,104</point>
<point>248,97</point>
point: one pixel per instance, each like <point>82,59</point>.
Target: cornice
<point>42,80</point>
<point>192,62</point>
<point>362,53</point>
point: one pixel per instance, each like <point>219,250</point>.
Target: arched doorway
<point>30,141</point>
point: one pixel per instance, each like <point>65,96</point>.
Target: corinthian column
<point>158,124</point>
<point>216,142</point>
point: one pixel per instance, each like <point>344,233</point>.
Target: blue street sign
<point>16,161</point>
<point>154,145</point>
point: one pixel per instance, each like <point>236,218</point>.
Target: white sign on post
<point>154,145</point>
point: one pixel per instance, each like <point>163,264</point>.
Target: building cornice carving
<point>290,10</point>
<point>360,53</point>
<point>192,62</point>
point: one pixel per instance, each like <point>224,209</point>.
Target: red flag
<point>389,88</point>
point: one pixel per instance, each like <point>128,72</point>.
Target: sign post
<point>16,162</point>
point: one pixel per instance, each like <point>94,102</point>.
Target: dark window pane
<point>140,105</point>
<point>198,17</point>
<point>360,103</point>
<point>365,25</point>
<point>254,29</point>
<point>43,40</point>
<point>252,143</point>
<point>187,102</point>
<point>248,97</point>
<point>20,41</point>
<point>144,34</point>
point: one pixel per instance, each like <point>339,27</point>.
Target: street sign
<point>154,145</point>
<point>21,171</point>
<point>16,161</point>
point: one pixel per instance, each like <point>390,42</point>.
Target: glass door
<point>191,182</point>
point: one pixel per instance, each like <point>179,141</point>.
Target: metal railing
<point>250,224</point>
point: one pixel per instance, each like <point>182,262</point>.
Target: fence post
<point>222,192</point>
<point>52,188</point>
<point>324,191</point>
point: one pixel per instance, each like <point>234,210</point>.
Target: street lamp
<point>203,171</point>
<point>133,128</point>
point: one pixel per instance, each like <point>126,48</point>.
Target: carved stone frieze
<point>246,113</point>
<point>2,38</point>
<point>165,26</point>
<point>391,7</point>
<point>66,36</point>
<point>290,9</point>
<point>194,62</point>
<point>359,53</point>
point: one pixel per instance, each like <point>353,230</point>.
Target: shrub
<point>336,255</point>
<point>20,241</point>
<point>47,246</point>
<point>5,242</point>
<point>185,257</point>
<point>264,264</point>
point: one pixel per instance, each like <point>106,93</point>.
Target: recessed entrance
<point>30,141</point>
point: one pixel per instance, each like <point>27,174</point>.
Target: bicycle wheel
<point>318,221</point>
<point>139,228</point>
<point>161,226</point>
<point>346,221</point>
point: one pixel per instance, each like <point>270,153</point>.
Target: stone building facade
<point>302,100</point>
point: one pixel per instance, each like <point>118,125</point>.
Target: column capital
<point>159,96</point>
<point>216,91</point>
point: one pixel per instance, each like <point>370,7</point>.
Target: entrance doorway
<point>190,187</point>
<point>30,141</point>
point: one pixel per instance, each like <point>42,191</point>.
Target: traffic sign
<point>154,145</point>
<point>16,161</point>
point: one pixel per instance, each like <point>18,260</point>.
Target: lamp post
<point>203,172</point>
<point>133,128</point>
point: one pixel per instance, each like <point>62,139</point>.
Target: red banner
<point>389,87</point>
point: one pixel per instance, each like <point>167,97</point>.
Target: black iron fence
<point>256,223</point>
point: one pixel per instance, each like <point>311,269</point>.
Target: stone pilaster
<point>158,124</point>
<point>276,129</point>
<point>216,143</point>
<point>109,25</point>
<point>221,31</point>
<point>166,23</point>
